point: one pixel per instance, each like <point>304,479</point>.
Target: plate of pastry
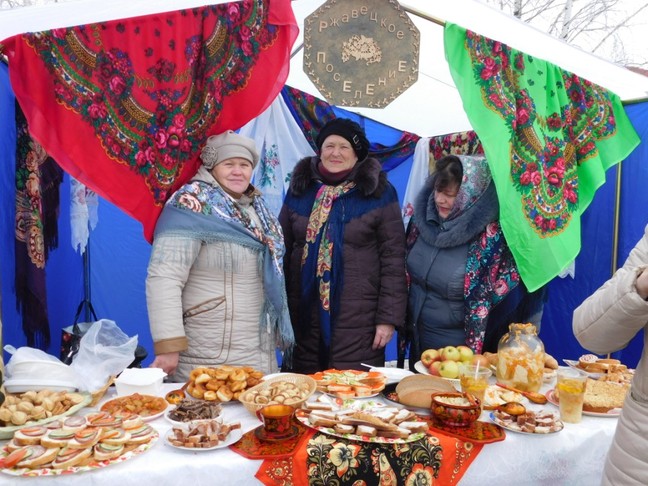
<point>365,421</point>
<point>537,422</point>
<point>53,449</point>
<point>350,383</point>
<point>204,437</point>
<point>148,407</point>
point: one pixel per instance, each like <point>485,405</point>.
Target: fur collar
<point>460,230</point>
<point>368,175</point>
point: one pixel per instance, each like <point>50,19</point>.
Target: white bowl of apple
<point>444,362</point>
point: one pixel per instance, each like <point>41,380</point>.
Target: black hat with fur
<point>349,130</point>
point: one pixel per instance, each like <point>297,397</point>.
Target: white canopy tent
<point>432,106</point>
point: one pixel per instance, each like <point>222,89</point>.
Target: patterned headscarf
<point>475,181</point>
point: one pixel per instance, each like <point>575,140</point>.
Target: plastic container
<point>21,385</point>
<point>29,365</point>
<point>145,381</point>
<point>520,358</point>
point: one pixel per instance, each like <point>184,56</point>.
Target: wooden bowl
<point>308,383</point>
<point>455,409</point>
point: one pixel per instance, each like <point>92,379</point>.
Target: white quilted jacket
<point>209,309</point>
<point>605,322</point>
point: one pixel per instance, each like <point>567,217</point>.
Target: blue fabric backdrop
<point>119,254</point>
<point>594,262</point>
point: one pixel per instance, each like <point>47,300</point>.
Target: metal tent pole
<point>617,212</point>
<point>87,290</point>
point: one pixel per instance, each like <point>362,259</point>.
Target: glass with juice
<point>474,380</point>
<point>571,392</point>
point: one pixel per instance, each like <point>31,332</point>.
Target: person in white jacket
<point>606,322</point>
<point>215,288</point>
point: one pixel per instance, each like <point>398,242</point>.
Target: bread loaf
<point>603,396</point>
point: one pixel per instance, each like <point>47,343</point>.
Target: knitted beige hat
<point>228,145</point>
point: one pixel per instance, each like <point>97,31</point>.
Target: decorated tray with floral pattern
<point>362,405</point>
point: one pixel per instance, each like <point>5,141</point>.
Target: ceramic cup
<point>277,421</point>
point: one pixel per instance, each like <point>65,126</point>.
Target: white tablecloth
<point>573,457</point>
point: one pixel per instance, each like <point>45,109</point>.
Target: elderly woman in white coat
<point>605,322</point>
<point>215,289</point>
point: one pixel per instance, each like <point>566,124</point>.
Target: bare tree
<point>9,4</point>
<point>597,26</point>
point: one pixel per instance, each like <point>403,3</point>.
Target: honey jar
<point>520,358</point>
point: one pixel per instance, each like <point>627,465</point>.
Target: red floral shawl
<point>124,106</point>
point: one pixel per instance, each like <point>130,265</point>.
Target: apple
<point>450,353</point>
<point>465,353</point>
<point>429,356</point>
<point>449,369</point>
<point>481,360</point>
<point>434,368</point>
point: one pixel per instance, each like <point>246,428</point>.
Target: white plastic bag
<point>104,351</point>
